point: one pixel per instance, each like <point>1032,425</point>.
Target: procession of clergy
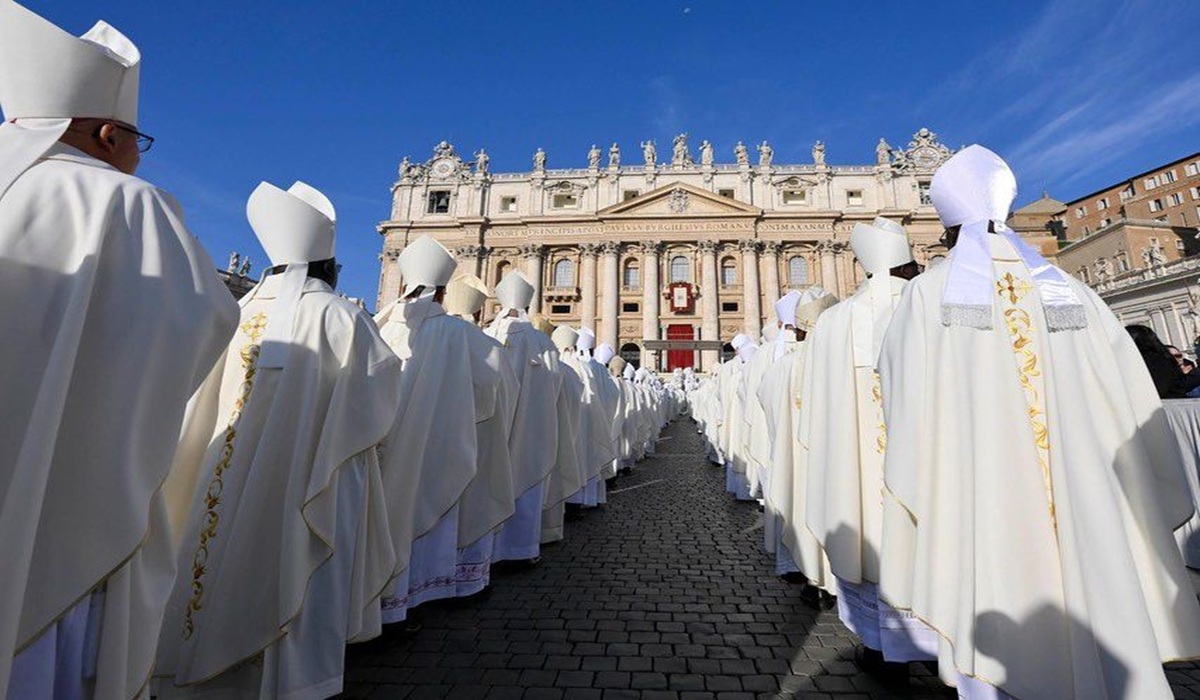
<point>202,500</point>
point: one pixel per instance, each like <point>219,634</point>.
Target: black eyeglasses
<point>144,141</point>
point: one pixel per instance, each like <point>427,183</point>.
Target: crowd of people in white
<point>201,498</point>
<point>971,460</point>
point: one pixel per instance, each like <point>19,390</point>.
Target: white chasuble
<point>113,315</point>
<point>755,433</point>
<point>533,442</point>
<point>286,549</point>
<point>1045,487</point>
<point>774,395</point>
<point>567,477</point>
<point>453,401</point>
<point>801,543</point>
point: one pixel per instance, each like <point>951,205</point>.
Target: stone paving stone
<point>662,594</point>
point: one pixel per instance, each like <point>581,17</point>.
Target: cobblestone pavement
<point>663,594</point>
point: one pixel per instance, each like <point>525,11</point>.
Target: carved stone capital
<point>531,251</point>
<point>650,247</point>
<point>707,247</point>
<point>391,254</point>
<point>469,252</point>
<point>772,248</point>
<point>749,246</point>
<point>612,248</point>
<point>589,250</point>
<point>831,247</point>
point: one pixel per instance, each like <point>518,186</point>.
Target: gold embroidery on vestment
<point>252,329</point>
<point>1020,330</point>
<point>877,399</point>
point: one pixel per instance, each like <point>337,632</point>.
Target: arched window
<point>502,268</point>
<point>728,272</point>
<point>797,271</point>
<point>681,269</point>
<point>632,354</point>
<point>564,273</point>
<point>632,278</point>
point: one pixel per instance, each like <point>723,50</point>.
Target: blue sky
<point>1075,94</point>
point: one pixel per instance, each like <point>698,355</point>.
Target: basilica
<point>666,258</point>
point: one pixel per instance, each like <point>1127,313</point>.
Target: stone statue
<point>742,155</point>
<point>765,154</point>
<point>706,153</point>
<point>818,153</point>
<point>594,157</point>
<point>614,155</point>
<point>883,152</point>
<point>539,159</point>
<point>234,259</point>
<point>649,152</point>
<point>680,155</point>
<point>405,166</point>
<point>481,161</point>
<point>245,269</point>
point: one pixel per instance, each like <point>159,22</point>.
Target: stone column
<point>389,278</point>
<point>771,259</point>
<point>650,293</point>
<point>469,257</point>
<point>587,313</point>
<point>534,255</point>
<point>751,307</point>
<point>710,290</point>
<point>828,251</point>
<point>609,312</point>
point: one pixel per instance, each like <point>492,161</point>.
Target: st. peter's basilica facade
<point>680,249</point>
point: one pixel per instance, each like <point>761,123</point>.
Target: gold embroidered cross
<point>255,326</point>
<point>1014,287</point>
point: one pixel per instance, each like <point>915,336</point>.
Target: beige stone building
<point>679,248</point>
<point>1168,194</point>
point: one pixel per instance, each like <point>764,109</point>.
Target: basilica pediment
<point>678,199</point>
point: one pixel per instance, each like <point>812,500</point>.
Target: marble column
<point>534,256</point>
<point>751,307</point>
<point>587,313</point>
<point>610,258</point>
<point>650,293</point>
<point>710,327</point>
<point>828,251</point>
<point>771,259</point>
<point>389,277</point>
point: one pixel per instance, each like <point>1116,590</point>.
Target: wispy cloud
<point>665,101</point>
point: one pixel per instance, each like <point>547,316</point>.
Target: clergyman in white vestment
<point>452,381</point>
<point>286,548</point>
<point>112,315</point>
<point>1027,442</point>
<point>846,439</point>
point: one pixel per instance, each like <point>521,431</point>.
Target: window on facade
<point>728,272</point>
<point>629,194</point>
<point>795,196</point>
<point>1103,203</point>
<point>681,269</point>
<point>854,198</point>
<point>1194,192</point>
<point>726,193</point>
<point>1150,183</point>
<point>1176,198</point>
<point>630,307</point>
<point>1127,193</point>
<point>1103,223</point>
<point>508,204</point>
<point>438,202</point>
<point>797,271</point>
<point>1083,274</point>
<point>1156,205</point>
<point>565,201</point>
<point>632,275</point>
<point>1166,177</point>
<point>1122,263</point>
<point>564,273</point>
<point>729,306</point>
<point>1080,211</point>
<point>1192,169</point>
<point>560,308</point>
<point>923,191</point>
<point>502,269</point>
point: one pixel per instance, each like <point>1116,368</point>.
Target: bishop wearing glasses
<point>113,316</point>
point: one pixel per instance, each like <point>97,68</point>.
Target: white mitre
<point>465,295</point>
<point>739,340</point>
<point>746,352</point>
<point>629,372</point>
<point>617,365</point>
<point>971,190</point>
<point>604,353</point>
<point>295,227</point>
<point>564,338</point>
<point>587,341</point>
<point>515,293</point>
<point>425,263</point>
<point>48,77</point>
<point>880,246</point>
<point>812,303</point>
<point>785,311</point>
